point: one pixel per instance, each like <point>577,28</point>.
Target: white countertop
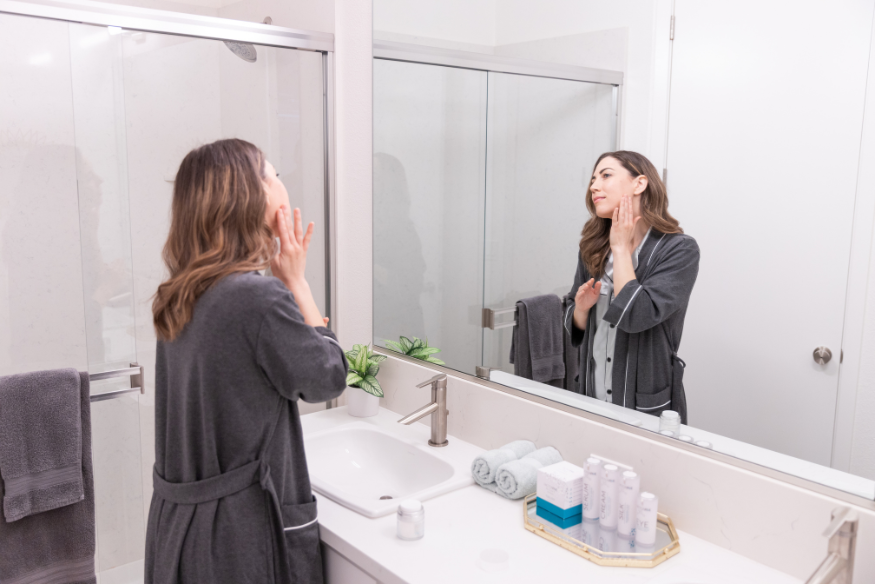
<point>462,524</point>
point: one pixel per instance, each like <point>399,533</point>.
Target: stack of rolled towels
<point>512,470</point>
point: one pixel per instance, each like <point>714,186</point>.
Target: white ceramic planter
<point>360,403</point>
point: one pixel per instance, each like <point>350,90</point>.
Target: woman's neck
<point>640,231</point>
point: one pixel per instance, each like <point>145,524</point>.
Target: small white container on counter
<point>645,530</point>
<point>592,470</point>
<point>670,420</point>
<point>608,490</point>
<point>627,514</point>
<point>411,520</point>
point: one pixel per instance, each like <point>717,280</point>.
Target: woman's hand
<point>623,228</point>
<point>290,262</point>
<point>587,296</point>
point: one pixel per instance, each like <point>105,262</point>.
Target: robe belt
<point>224,485</point>
<point>217,487</point>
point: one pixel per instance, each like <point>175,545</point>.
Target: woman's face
<point>610,183</point>
<point>277,196</point>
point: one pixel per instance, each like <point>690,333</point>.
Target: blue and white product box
<point>560,494</point>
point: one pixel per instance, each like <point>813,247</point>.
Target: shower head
<point>245,51</point>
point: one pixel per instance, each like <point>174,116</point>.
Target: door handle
<point>822,355</point>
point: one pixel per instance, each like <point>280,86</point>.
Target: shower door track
<point>176,23</point>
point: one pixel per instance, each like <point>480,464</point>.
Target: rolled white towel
<point>485,466</point>
<point>519,478</point>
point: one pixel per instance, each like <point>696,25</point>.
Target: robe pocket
<point>301,532</point>
<point>653,403</point>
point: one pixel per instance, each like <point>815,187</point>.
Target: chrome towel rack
<point>135,372</point>
<point>489,315</point>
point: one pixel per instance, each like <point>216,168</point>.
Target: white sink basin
<point>359,462</point>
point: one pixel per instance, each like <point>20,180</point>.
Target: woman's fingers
<point>309,235</point>
<point>283,228</point>
<point>299,231</point>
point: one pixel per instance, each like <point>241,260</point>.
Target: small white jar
<point>411,520</point>
<point>671,421</point>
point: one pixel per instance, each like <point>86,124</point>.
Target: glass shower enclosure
<point>94,121</point>
<point>481,165</point>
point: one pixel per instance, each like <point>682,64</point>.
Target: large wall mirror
<point>489,118</point>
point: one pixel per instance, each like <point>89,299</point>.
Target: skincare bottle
<point>592,470</point>
<point>627,514</point>
<point>668,433</point>
<point>670,420</point>
<point>705,444</point>
<point>685,438</point>
<point>645,530</point>
<point>608,490</point>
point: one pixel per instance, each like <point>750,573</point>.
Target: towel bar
<point>135,372</point>
<point>489,315</point>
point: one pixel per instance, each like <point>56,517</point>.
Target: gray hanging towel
<point>537,349</point>
<point>57,545</point>
<point>40,442</point>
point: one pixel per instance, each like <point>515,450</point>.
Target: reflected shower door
<point>544,137</point>
<point>429,166</point>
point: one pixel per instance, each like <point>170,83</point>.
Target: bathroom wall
<point>627,35</point>
<point>761,518</point>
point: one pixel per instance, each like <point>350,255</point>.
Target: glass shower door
<point>544,136</point>
<point>94,122</point>
<point>429,164</point>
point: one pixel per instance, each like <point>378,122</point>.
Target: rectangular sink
<point>369,466</point>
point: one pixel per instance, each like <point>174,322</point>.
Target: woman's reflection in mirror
<point>635,272</point>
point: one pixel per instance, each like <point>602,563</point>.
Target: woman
<point>635,273</point>
<point>236,350</point>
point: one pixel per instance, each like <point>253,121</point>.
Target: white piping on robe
<point>309,523</point>
<point>653,408</point>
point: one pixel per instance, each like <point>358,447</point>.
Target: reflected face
<point>610,183</point>
<point>277,196</point>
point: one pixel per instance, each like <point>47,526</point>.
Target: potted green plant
<point>417,348</point>
<point>363,397</point>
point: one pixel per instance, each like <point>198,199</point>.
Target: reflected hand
<point>586,297</point>
<point>623,227</point>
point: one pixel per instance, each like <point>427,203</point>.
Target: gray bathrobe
<point>232,500</point>
<point>649,315</point>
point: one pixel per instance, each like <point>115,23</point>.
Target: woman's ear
<point>640,185</point>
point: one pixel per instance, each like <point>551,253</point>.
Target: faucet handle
<point>435,380</point>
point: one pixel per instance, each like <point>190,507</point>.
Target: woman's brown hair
<point>595,241</point>
<point>217,228</point>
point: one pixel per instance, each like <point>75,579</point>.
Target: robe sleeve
<point>301,361</point>
<point>577,335</point>
<point>639,307</point>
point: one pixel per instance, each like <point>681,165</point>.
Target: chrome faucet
<point>437,408</point>
<point>838,567</point>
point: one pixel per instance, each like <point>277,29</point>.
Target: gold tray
<point>604,547</point>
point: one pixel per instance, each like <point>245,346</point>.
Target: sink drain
<point>384,497</point>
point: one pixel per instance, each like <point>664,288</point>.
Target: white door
<point>764,136</point>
